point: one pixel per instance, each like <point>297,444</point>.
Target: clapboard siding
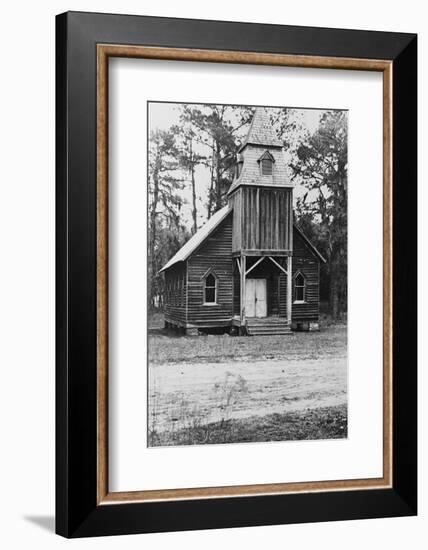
<point>236,290</point>
<point>176,293</point>
<point>283,295</point>
<point>305,261</point>
<point>215,255</point>
<point>273,294</point>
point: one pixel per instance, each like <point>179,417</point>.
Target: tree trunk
<point>153,232</point>
<point>334,287</point>
<point>194,212</point>
<point>211,191</point>
<point>218,179</point>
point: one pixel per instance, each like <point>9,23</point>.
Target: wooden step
<point>277,333</point>
<point>268,331</point>
<point>267,323</point>
<point>279,325</point>
<point>267,326</point>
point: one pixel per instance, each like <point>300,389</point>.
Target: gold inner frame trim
<point>104,52</point>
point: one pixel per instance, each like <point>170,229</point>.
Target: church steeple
<point>260,158</point>
<point>261,131</point>
<point>261,193</point>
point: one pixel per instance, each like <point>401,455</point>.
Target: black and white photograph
<point>247,274</point>
<point>212,275</point>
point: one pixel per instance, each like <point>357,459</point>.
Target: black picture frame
<point>77,511</point>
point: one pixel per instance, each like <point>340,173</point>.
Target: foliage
<point>166,231</point>
<point>214,130</point>
<point>188,160</point>
<point>289,127</point>
<point>321,165</point>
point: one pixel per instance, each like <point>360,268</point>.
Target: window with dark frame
<point>210,291</point>
<point>299,288</point>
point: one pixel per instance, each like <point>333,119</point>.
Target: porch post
<point>243,279</point>
<point>289,288</point>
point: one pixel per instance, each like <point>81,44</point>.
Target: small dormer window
<point>266,164</point>
<point>267,167</point>
<point>239,168</point>
<point>210,290</point>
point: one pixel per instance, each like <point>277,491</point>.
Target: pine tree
<point>165,202</point>
<point>322,167</point>
<point>213,128</point>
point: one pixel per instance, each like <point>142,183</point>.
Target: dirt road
<point>209,392</point>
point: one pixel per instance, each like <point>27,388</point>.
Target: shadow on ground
<point>44,522</point>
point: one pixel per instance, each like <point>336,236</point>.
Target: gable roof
<point>310,245</point>
<point>267,155</point>
<point>261,131</point>
<point>192,244</point>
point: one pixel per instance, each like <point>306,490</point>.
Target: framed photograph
<point>236,274</point>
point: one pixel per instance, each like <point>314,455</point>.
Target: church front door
<point>255,298</point>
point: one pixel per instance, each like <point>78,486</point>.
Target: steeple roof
<point>261,131</point>
<point>262,142</point>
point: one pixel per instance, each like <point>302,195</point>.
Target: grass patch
<point>165,347</point>
<point>309,424</point>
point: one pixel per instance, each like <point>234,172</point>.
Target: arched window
<point>299,288</point>
<point>210,290</point>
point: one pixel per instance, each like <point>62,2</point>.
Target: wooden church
<point>249,269</point>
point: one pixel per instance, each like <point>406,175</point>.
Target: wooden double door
<point>256,298</point>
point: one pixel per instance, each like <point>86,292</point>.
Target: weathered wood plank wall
<point>304,260</point>
<point>215,254</point>
<point>261,219</point>
<point>176,293</point>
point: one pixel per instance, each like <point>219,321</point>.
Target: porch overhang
<point>256,252</point>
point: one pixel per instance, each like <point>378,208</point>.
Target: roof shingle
<point>261,131</point>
